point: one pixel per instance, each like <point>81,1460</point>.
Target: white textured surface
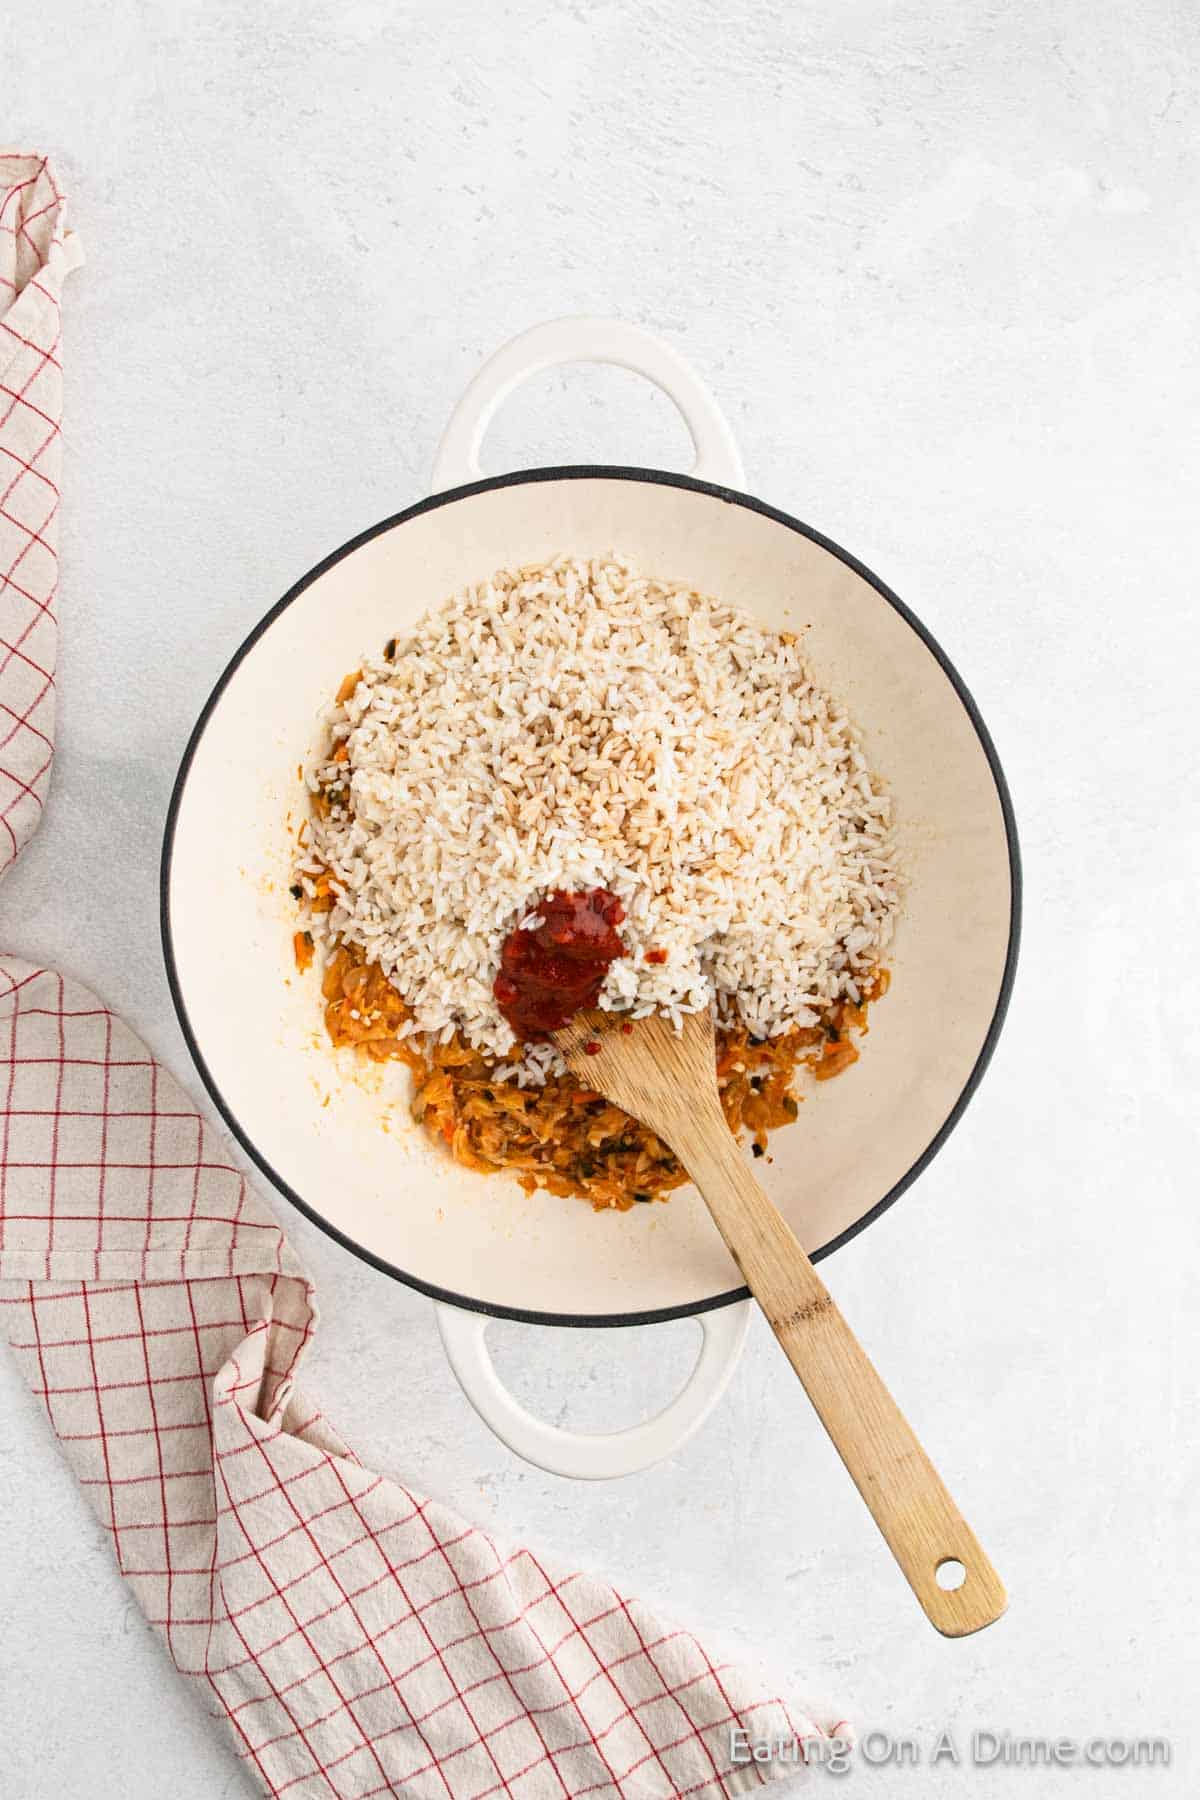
<point>939,264</point>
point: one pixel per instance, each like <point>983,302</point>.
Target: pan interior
<point>340,1139</point>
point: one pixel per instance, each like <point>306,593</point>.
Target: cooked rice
<point>575,725</point>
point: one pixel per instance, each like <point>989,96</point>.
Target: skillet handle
<point>586,340</point>
<point>593,1456</point>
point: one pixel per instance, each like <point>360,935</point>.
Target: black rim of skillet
<point>586,472</point>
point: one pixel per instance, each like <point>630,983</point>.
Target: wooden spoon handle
<point>923,1527</point>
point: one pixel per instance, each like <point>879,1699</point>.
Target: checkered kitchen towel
<point>36,252</point>
<point>355,1638</point>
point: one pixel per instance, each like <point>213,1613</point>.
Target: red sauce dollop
<point>549,974</point>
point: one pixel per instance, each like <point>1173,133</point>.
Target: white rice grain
<point>576,724</point>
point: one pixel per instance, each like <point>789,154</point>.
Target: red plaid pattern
<point>356,1639</point>
<point>36,252</point>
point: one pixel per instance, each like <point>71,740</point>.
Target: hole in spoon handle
<point>959,1590</point>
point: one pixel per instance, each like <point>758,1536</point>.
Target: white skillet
<point>340,1144</point>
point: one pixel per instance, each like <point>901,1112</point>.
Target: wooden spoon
<point>668,1080</point>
